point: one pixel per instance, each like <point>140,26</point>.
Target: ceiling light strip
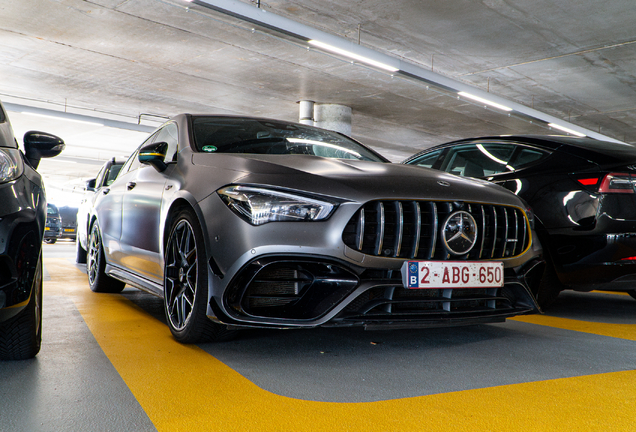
<point>566,130</point>
<point>77,118</point>
<point>484,101</point>
<point>352,55</point>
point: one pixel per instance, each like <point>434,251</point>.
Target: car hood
<point>349,179</point>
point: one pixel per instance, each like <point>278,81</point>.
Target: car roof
<point>585,147</point>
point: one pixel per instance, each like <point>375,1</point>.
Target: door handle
<point>105,191</point>
<point>131,185</point>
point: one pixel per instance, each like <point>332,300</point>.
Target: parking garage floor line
<point>622,331</point>
<point>184,388</point>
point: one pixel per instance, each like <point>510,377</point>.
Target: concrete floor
<point>109,363</point>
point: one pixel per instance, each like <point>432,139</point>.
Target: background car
<point>53,228</point>
<point>581,191</point>
<point>244,222</point>
<point>22,220</point>
<point>68,216</point>
<point>105,177</point>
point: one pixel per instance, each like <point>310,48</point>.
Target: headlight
<point>259,206</point>
<point>11,166</point>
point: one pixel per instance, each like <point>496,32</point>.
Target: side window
<point>170,135</point>
<point>112,174</point>
<point>480,159</point>
<point>427,160</point>
<point>527,156</point>
<point>133,163</point>
<point>99,179</point>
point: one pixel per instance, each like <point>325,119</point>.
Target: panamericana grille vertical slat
<point>483,231</point>
<point>380,238</point>
<point>400,229</point>
<point>418,229</point>
<point>360,230</point>
<point>434,220</point>
<point>412,230</point>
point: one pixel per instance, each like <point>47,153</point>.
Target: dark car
<point>247,222</point>
<point>105,177</point>
<point>582,194</point>
<point>22,220</point>
<point>68,214</point>
<point>53,228</point>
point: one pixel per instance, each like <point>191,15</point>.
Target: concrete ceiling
<point>140,61</point>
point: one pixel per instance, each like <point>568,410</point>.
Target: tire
<point>80,253</point>
<point>632,293</point>
<point>549,287</point>
<point>185,284</point>
<point>50,241</point>
<point>98,280</point>
<point>21,336</point>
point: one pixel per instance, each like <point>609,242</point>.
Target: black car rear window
<point>259,136</point>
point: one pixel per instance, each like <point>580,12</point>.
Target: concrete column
<point>306,112</point>
<point>333,117</point>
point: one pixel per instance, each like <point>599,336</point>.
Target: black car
<point>53,228</point>
<point>249,222</point>
<point>22,220</point>
<point>582,192</point>
<point>68,214</point>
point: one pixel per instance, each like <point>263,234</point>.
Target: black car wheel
<point>185,287</point>
<point>21,336</point>
<point>98,280</point>
<point>50,241</point>
<point>549,287</point>
<point>80,253</point>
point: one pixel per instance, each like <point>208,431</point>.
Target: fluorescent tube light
<point>61,117</point>
<point>564,129</point>
<point>484,101</point>
<point>353,56</point>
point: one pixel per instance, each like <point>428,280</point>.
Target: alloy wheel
<point>94,246</point>
<point>180,275</point>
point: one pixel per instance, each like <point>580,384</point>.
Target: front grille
<point>413,230</point>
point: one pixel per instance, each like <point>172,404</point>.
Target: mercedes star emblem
<point>459,233</point>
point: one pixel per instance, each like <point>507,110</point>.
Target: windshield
<point>260,136</point>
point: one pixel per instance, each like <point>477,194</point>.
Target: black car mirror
<point>90,185</point>
<point>154,154</point>
<point>38,145</point>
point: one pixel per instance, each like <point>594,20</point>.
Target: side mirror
<point>90,185</point>
<point>38,145</point>
<point>154,154</point>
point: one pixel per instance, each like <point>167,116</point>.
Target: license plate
<point>452,274</point>
<point>47,229</point>
<point>69,230</point>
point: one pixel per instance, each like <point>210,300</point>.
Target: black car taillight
<point>609,183</point>
<point>618,183</point>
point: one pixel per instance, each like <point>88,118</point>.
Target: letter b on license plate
<point>452,274</point>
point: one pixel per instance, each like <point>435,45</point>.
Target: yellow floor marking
<point>621,331</point>
<point>184,388</point>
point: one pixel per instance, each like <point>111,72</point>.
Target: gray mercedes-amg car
<point>247,222</point>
